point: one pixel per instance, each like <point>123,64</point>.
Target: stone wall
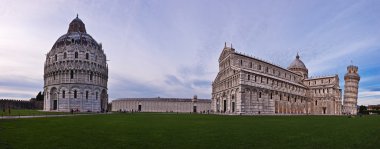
<point>161,105</point>
<point>20,104</point>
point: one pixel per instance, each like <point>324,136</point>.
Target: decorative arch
<point>53,98</point>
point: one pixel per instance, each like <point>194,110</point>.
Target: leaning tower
<point>351,86</point>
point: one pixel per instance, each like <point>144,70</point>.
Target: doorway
<point>195,109</point>
<point>103,100</point>
<point>233,106</point>
<point>53,99</point>
<point>224,105</point>
<point>139,109</point>
<point>55,104</point>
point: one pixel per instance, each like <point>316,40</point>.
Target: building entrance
<point>55,104</point>
<point>224,105</point>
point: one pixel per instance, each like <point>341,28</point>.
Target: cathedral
<point>76,73</point>
<point>251,86</point>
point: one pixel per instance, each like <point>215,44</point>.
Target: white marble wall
<point>157,105</point>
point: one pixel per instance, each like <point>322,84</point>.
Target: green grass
<point>24,112</point>
<point>154,130</point>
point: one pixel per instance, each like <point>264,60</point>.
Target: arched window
<point>86,94</point>
<point>250,65</point>
<point>241,62</point>
<point>55,57</point>
<point>87,56</point>
<point>271,95</point>
<point>259,94</point>
<point>259,67</point>
<point>71,74</point>
<point>65,55</point>
<point>316,102</point>
<point>63,94</point>
<point>76,54</point>
<point>249,77</point>
<point>288,98</point>
<point>75,93</point>
<point>96,96</point>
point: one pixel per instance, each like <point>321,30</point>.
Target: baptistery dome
<point>76,72</point>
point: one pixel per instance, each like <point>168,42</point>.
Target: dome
<point>76,34</point>
<point>297,64</point>
<point>77,26</point>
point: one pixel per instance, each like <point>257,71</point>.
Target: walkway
<point>39,116</point>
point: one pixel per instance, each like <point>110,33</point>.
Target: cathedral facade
<point>76,73</point>
<point>248,85</point>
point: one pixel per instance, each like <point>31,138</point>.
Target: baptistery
<point>76,73</point>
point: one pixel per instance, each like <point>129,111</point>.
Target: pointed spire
<point>77,15</point>
<point>298,57</point>
<point>231,45</point>
<point>225,44</point>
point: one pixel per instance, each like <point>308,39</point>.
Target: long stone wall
<point>161,105</point>
<point>20,104</point>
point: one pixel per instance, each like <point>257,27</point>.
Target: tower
<point>351,86</point>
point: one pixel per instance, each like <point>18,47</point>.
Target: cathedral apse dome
<point>76,72</point>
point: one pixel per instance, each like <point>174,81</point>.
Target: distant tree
<point>363,110</point>
<point>40,97</point>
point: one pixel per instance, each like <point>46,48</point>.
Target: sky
<point>170,48</point>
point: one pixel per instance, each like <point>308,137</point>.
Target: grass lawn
<point>22,112</point>
<point>155,130</point>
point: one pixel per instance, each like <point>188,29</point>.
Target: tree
<point>40,97</point>
<point>363,110</point>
